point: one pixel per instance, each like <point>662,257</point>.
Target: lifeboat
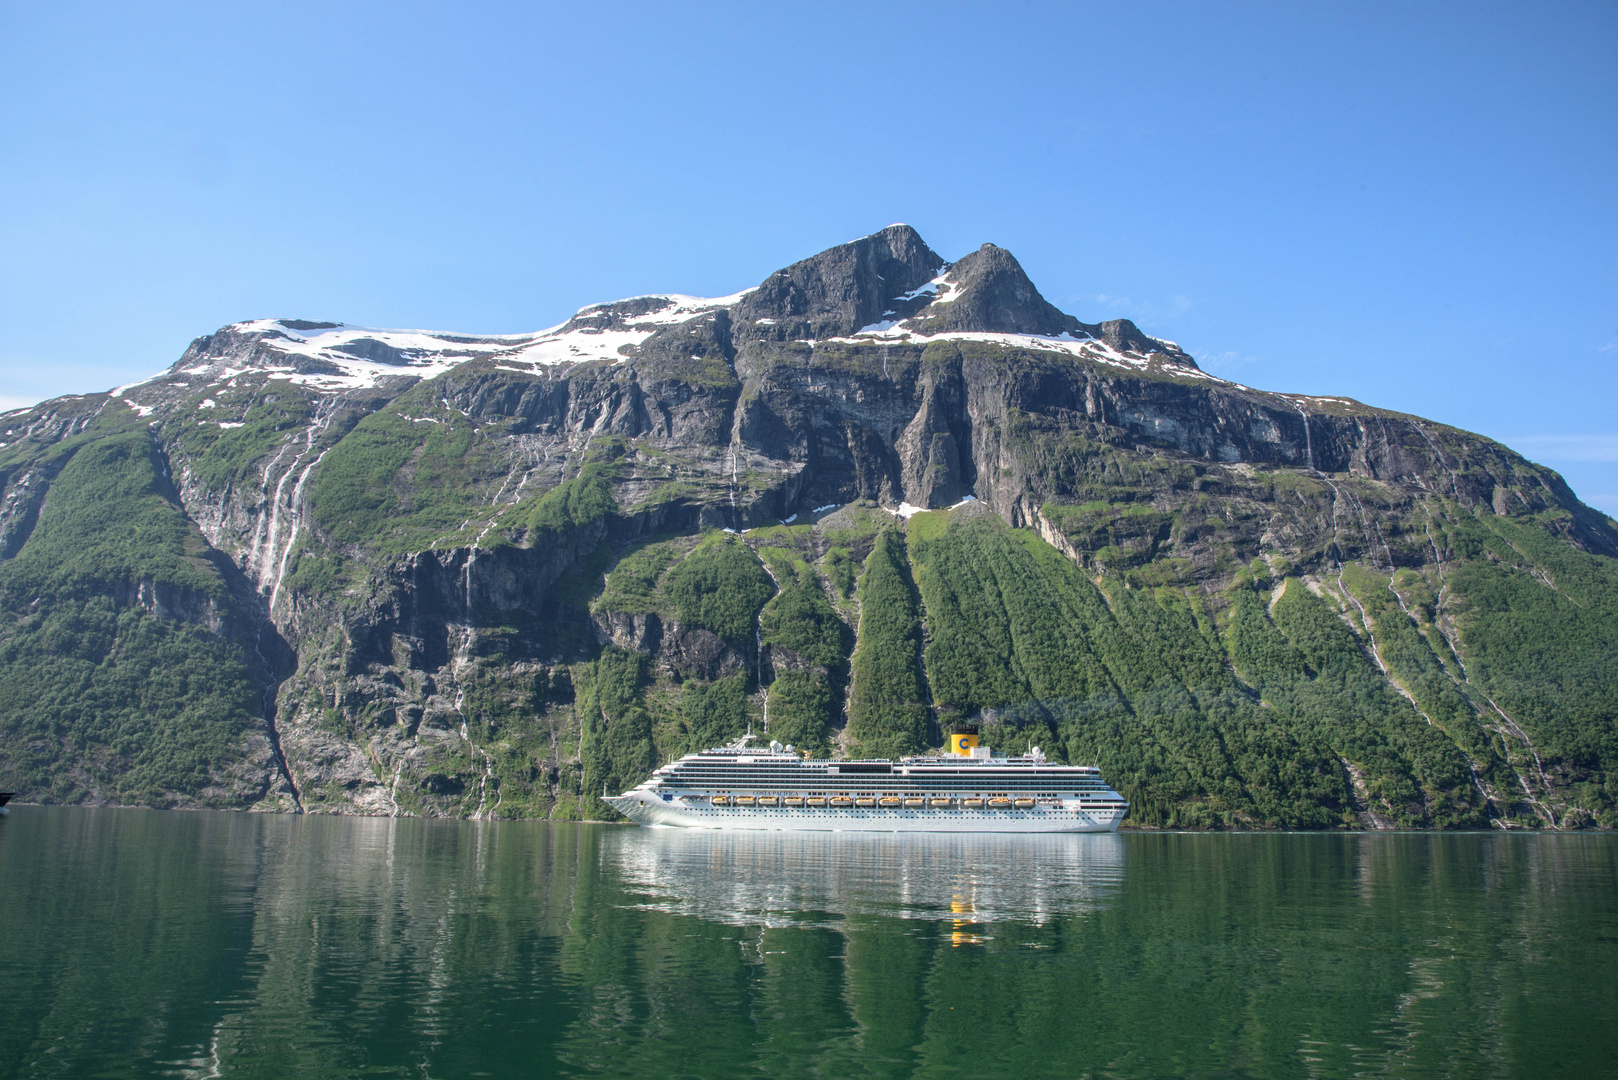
<point>721,800</point>
<point>771,800</point>
<point>915,804</point>
<point>996,804</point>
<point>745,800</point>
<point>816,800</point>
<point>972,804</point>
<point>938,804</point>
<point>1025,804</point>
<point>865,802</point>
<point>889,802</point>
<point>841,802</point>
<point>792,800</point>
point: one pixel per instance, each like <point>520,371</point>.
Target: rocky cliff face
<point>429,552</point>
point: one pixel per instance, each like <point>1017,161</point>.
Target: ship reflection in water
<point>779,879</point>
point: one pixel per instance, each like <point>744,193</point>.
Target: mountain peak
<point>992,294</point>
<point>836,292</point>
<point>887,287</point>
<point>890,286</point>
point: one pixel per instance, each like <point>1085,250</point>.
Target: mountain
<point>325,568</point>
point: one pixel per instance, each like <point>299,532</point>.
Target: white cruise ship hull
<point>652,811</point>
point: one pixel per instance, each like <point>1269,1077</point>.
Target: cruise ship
<point>967,789</point>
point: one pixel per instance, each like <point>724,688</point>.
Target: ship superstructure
<point>967,789</point>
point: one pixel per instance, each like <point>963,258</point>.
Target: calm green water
<point>140,943</point>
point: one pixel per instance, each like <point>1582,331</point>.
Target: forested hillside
<point>324,569</point>
<point>1301,701</point>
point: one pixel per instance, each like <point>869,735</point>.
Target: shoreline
<point>1136,830</point>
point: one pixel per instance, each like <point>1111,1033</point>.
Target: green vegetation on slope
<point>801,707</point>
<point>1411,659</point>
<point>109,521</point>
<point>799,617</point>
<point>362,494</point>
<point>99,699</point>
<point>887,710</point>
<point>269,414</point>
<point>144,709</point>
<point>632,586</point>
<point>841,570</point>
<point>719,587</point>
<point>1411,760</point>
<point>616,732</point>
<point>1212,754</point>
<point>1248,707</point>
<point>711,715</point>
<point>1134,680</point>
<point>413,475</point>
<point>1143,679</point>
<point>1538,621</point>
<point>572,504</point>
<point>1000,634</point>
<point>1310,667</point>
<point>801,621</point>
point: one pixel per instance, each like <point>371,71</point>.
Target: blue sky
<point>1411,204</point>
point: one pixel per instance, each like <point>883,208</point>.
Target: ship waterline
<point>967,790</point>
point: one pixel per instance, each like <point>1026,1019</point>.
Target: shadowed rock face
<point>874,371</point>
<point>997,296</point>
<point>840,290</point>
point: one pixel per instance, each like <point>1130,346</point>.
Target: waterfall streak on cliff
<point>393,789</point>
<point>758,639</point>
<point>1470,764</point>
<point>1438,558</point>
<point>1454,482</point>
<point>296,511</point>
<point>1507,727</point>
<point>516,497</point>
<point>254,547</point>
<point>462,657</point>
<point>268,704</point>
<point>734,523</point>
<point>1342,587</point>
<point>1308,440</point>
<point>265,556</point>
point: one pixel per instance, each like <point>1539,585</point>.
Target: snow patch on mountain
<point>946,292</point>
<point>580,346</point>
<point>338,356</point>
<point>1085,348</point>
<point>681,308</point>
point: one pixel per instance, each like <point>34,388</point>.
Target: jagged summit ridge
<point>883,288</point>
<point>842,289</point>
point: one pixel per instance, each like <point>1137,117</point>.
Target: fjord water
<point>145,943</point>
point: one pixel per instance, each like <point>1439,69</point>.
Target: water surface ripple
<point>136,944</point>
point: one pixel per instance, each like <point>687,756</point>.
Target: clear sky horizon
<point>1412,205</point>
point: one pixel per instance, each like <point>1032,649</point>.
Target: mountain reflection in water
<point>136,944</point>
<point>779,879</point>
